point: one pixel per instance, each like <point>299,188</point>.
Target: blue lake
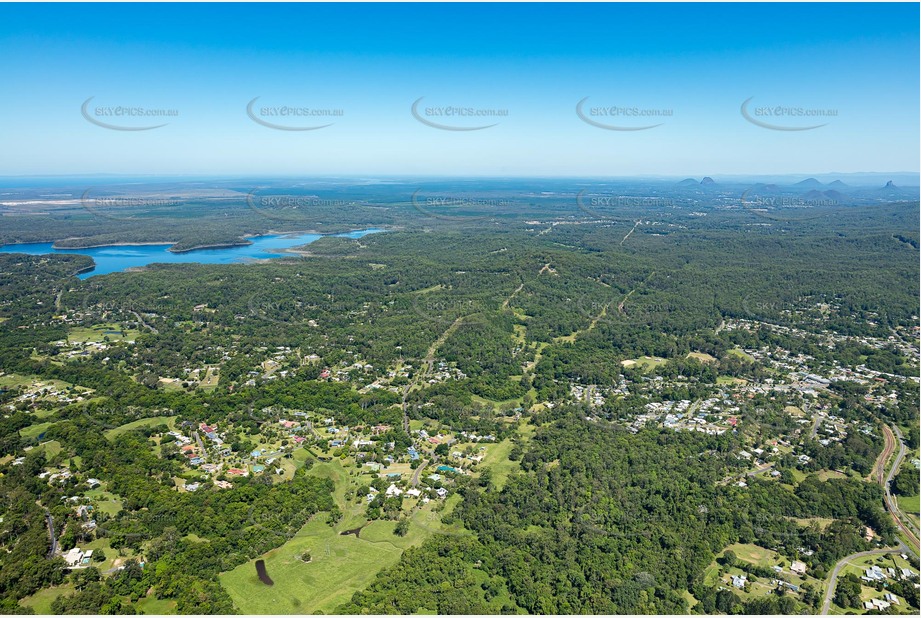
<point>118,258</point>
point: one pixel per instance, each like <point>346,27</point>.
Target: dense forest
<point>593,512</point>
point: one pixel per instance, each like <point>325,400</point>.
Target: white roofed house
<point>75,558</point>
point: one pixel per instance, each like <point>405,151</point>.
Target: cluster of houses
<point>887,601</point>
<point>39,390</point>
<point>423,495</point>
<point>713,416</point>
<point>875,574</point>
<point>801,368</point>
<point>80,349</point>
<point>590,394</point>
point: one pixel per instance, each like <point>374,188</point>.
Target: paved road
<point>145,324</point>
<point>415,480</point>
<point>815,423</point>
<point>54,541</point>
<point>201,445</point>
<point>830,592</point>
<point>892,504</point>
<point>763,468</point>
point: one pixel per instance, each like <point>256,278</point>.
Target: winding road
<point>892,505</point>
<point>892,439</point>
<point>833,582</point>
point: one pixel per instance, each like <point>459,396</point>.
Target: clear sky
<point>372,62</point>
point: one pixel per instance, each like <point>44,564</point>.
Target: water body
<point>118,258</point>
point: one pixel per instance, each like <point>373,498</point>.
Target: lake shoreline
<point>126,257</point>
<point>244,242</point>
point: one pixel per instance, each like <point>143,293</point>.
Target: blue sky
<point>372,61</point>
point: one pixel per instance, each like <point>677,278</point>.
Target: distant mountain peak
<point>838,184</point>
<point>688,181</point>
<point>809,183</point>
<point>707,181</point>
<point>890,185</point>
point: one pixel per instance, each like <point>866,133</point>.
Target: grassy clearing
<point>497,405</point>
<point>151,605</point>
<point>738,352</point>
<point>99,333</point>
<point>33,431</point>
<point>51,448</point>
<point>497,460</point>
<point>702,357</point>
<point>644,362</point>
<point>170,422</point>
<point>13,380</point>
<point>211,379</point>
<point>823,522</point>
<point>754,554</point>
<point>910,504</point>
<point>106,502</point>
<point>339,566</point>
<point>41,601</point>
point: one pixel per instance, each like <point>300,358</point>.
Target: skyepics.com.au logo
<point>611,206</point>
<point>290,309</point>
<point>447,310</point>
<point>763,306</point>
<point>295,208</point>
<point>291,117</point>
<point>125,207</point>
<point>622,311</point>
<point>621,118</point>
<point>125,117</point>
<point>786,208</point>
<point>91,304</point>
<point>786,117</point>
<point>456,118</point>
<point>458,207</point>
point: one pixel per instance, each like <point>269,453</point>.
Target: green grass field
<point>41,601</point>
<point>741,354</point>
<point>33,431</point>
<point>340,565</point>
<point>99,333</point>
<point>910,504</point>
<point>51,448</point>
<point>497,460</point>
<point>753,553</point>
<point>144,422</point>
<point>151,605</point>
<point>106,502</point>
